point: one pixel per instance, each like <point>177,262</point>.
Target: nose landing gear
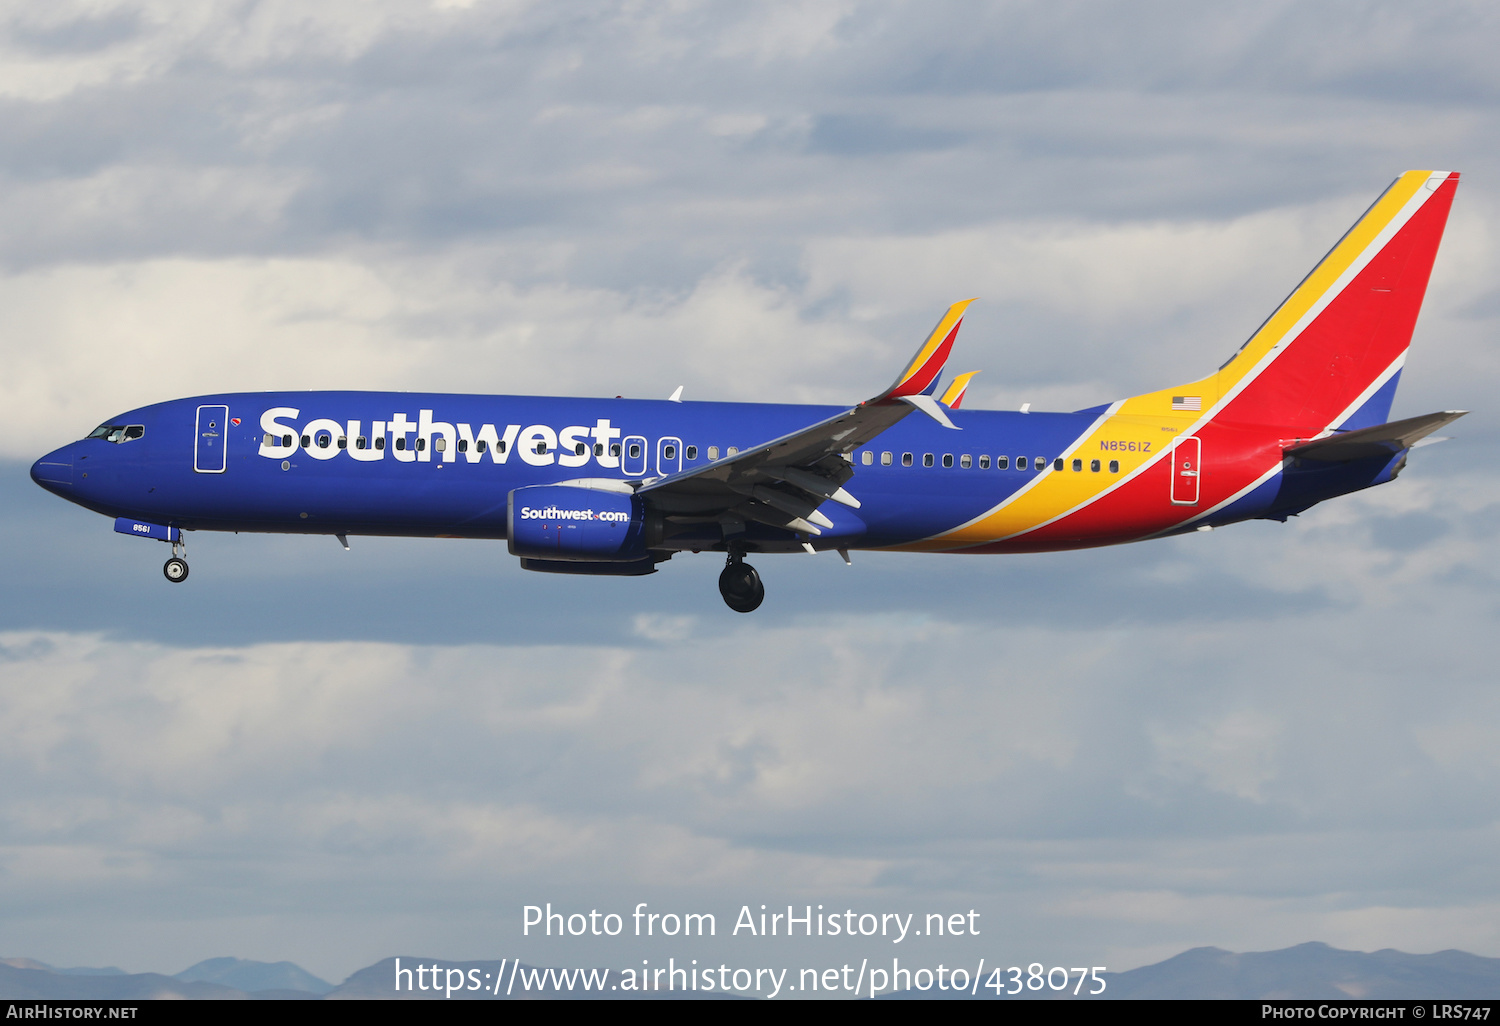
<point>740,585</point>
<point>176,568</point>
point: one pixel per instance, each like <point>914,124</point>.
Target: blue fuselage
<point>414,464</point>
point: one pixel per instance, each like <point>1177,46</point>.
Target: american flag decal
<point>1187,402</point>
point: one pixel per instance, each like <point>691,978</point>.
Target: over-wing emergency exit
<point>617,486</point>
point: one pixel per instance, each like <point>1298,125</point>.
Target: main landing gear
<point>740,585</point>
<point>176,568</point>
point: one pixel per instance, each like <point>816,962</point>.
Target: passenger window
<point>691,452</point>
<point>713,452</point>
<point>734,450</point>
<point>286,441</point>
<point>306,441</point>
<point>323,441</point>
<point>580,449</point>
<point>984,463</point>
<point>906,459</point>
<point>1020,462</point>
<point>670,452</point>
<point>1094,466</point>
<point>598,448</point>
<point>1078,466</point>
<point>948,460</point>
<point>440,444</point>
<point>380,443</point>
<point>966,461</point>
<point>500,446</point>
<point>541,449</point>
<point>480,445</point>
<point>635,452</point>
<point>867,457</point>
<point>1057,464</point>
<point>885,459</point>
<point>614,450</point>
<point>343,442</point>
<point>268,440</point>
<point>360,443</point>
<point>927,459</point>
<point>421,445</point>
<point>1114,466</point>
<point>400,444</point>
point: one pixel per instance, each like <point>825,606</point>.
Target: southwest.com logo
<point>553,513</point>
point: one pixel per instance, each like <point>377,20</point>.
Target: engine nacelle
<point>565,522</point>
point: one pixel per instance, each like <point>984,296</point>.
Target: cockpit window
<point>118,433</point>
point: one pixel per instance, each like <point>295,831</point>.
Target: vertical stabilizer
<point>1330,355</point>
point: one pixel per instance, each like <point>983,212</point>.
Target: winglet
<point>925,367</point>
<point>956,390</point>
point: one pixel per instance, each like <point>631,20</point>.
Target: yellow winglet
<point>928,363</point>
<point>955,394</point>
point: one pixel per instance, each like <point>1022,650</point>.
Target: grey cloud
<point>77,35</point>
<point>1246,738</point>
<point>458,127</point>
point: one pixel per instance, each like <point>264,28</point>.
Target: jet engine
<point>574,524</point>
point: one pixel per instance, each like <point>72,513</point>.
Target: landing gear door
<point>208,448</point>
<point>1186,456</point>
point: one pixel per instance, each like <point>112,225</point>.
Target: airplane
<point>617,486</point>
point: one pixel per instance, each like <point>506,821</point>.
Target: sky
<point>1253,738</point>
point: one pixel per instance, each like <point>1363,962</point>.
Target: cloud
<point>1056,771</point>
<point>1249,738</point>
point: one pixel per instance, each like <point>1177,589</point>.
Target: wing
<point>783,481</point>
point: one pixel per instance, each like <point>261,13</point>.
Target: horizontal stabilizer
<point>1380,440</point>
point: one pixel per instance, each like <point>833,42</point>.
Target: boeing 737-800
<point>617,486</point>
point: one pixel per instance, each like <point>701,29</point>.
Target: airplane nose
<point>54,471</point>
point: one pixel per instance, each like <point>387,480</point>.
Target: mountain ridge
<point>1309,971</point>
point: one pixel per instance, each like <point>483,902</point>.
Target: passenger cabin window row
<point>983,461</point>
<point>867,457</point>
<point>324,440</point>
